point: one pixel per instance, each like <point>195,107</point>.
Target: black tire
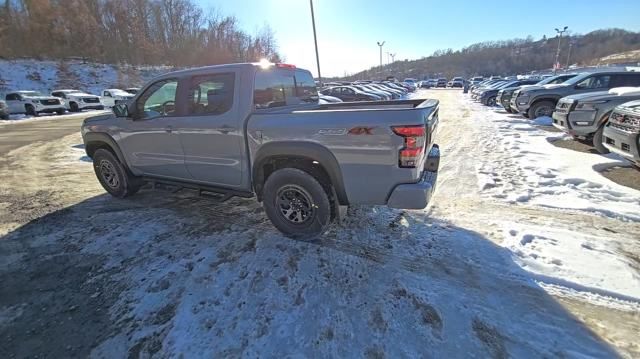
<point>112,175</point>
<point>509,110</point>
<point>597,141</point>
<point>73,107</point>
<point>30,110</point>
<point>289,187</point>
<point>541,108</point>
<point>60,112</point>
<point>491,101</point>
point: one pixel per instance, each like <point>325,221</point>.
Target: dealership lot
<point>502,264</point>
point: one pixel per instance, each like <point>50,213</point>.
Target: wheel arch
<point>96,140</point>
<point>291,153</point>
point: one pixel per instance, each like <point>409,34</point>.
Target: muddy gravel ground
<point>168,274</point>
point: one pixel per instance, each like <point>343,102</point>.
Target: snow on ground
<point>46,76</point>
<point>14,118</point>
<point>523,167</point>
<point>173,275</point>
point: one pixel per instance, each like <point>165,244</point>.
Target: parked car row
<point>601,109</point>
<point>33,103</point>
<point>366,90</point>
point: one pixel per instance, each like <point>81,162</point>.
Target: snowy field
<point>526,251</point>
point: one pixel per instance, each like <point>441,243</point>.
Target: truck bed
<point>358,134</point>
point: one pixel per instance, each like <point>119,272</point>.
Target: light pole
<point>571,42</point>
<point>393,57</point>
<point>380,44</point>
<point>315,40</point>
<point>560,32</point>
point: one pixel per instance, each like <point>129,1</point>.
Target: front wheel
<point>296,203</point>
<point>30,110</point>
<point>509,110</point>
<point>491,101</point>
<point>598,139</point>
<point>112,175</point>
<point>541,109</point>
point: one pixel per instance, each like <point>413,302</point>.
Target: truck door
<point>211,132</point>
<point>150,139</point>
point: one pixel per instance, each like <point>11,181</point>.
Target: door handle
<point>226,129</point>
<point>168,129</point>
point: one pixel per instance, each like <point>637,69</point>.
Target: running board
<point>218,194</point>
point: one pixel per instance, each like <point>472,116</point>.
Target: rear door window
<point>595,82</point>
<point>625,80</point>
<point>211,95</point>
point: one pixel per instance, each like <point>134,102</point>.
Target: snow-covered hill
<point>45,76</point>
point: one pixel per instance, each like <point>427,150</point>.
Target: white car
<point>112,97</point>
<point>76,100</point>
<point>33,103</point>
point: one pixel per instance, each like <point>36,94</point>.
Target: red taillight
<point>414,141</point>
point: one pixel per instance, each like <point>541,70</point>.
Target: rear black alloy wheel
<point>74,107</point>
<point>295,204</point>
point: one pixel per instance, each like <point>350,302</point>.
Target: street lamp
<point>381,44</point>
<point>315,40</point>
<point>571,43</point>
<point>559,32</point>
<point>393,57</point>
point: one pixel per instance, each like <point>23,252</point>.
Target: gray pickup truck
<point>585,115</point>
<point>258,130</point>
<point>538,101</point>
<point>622,132</point>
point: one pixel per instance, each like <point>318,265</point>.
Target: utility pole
<point>559,32</point>
<point>380,44</point>
<point>571,42</point>
<point>315,40</point>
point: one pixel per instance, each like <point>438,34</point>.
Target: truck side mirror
<point>121,110</point>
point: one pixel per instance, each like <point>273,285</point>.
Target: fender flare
<point>310,150</point>
<point>553,98</point>
<point>100,137</point>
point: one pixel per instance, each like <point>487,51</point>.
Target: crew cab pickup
<point>258,130</point>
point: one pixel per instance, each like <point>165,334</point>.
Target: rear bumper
<point>623,143</point>
<point>417,195</point>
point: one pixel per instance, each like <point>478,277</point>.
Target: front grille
<point>50,102</point>
<point>91,99</point>
<point>625,147</point>
<point>625,122</point>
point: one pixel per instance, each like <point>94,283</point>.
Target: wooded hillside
<point>511,57</point>
<point>171,32</point>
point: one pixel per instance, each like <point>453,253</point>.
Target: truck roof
<point>239,66</point>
